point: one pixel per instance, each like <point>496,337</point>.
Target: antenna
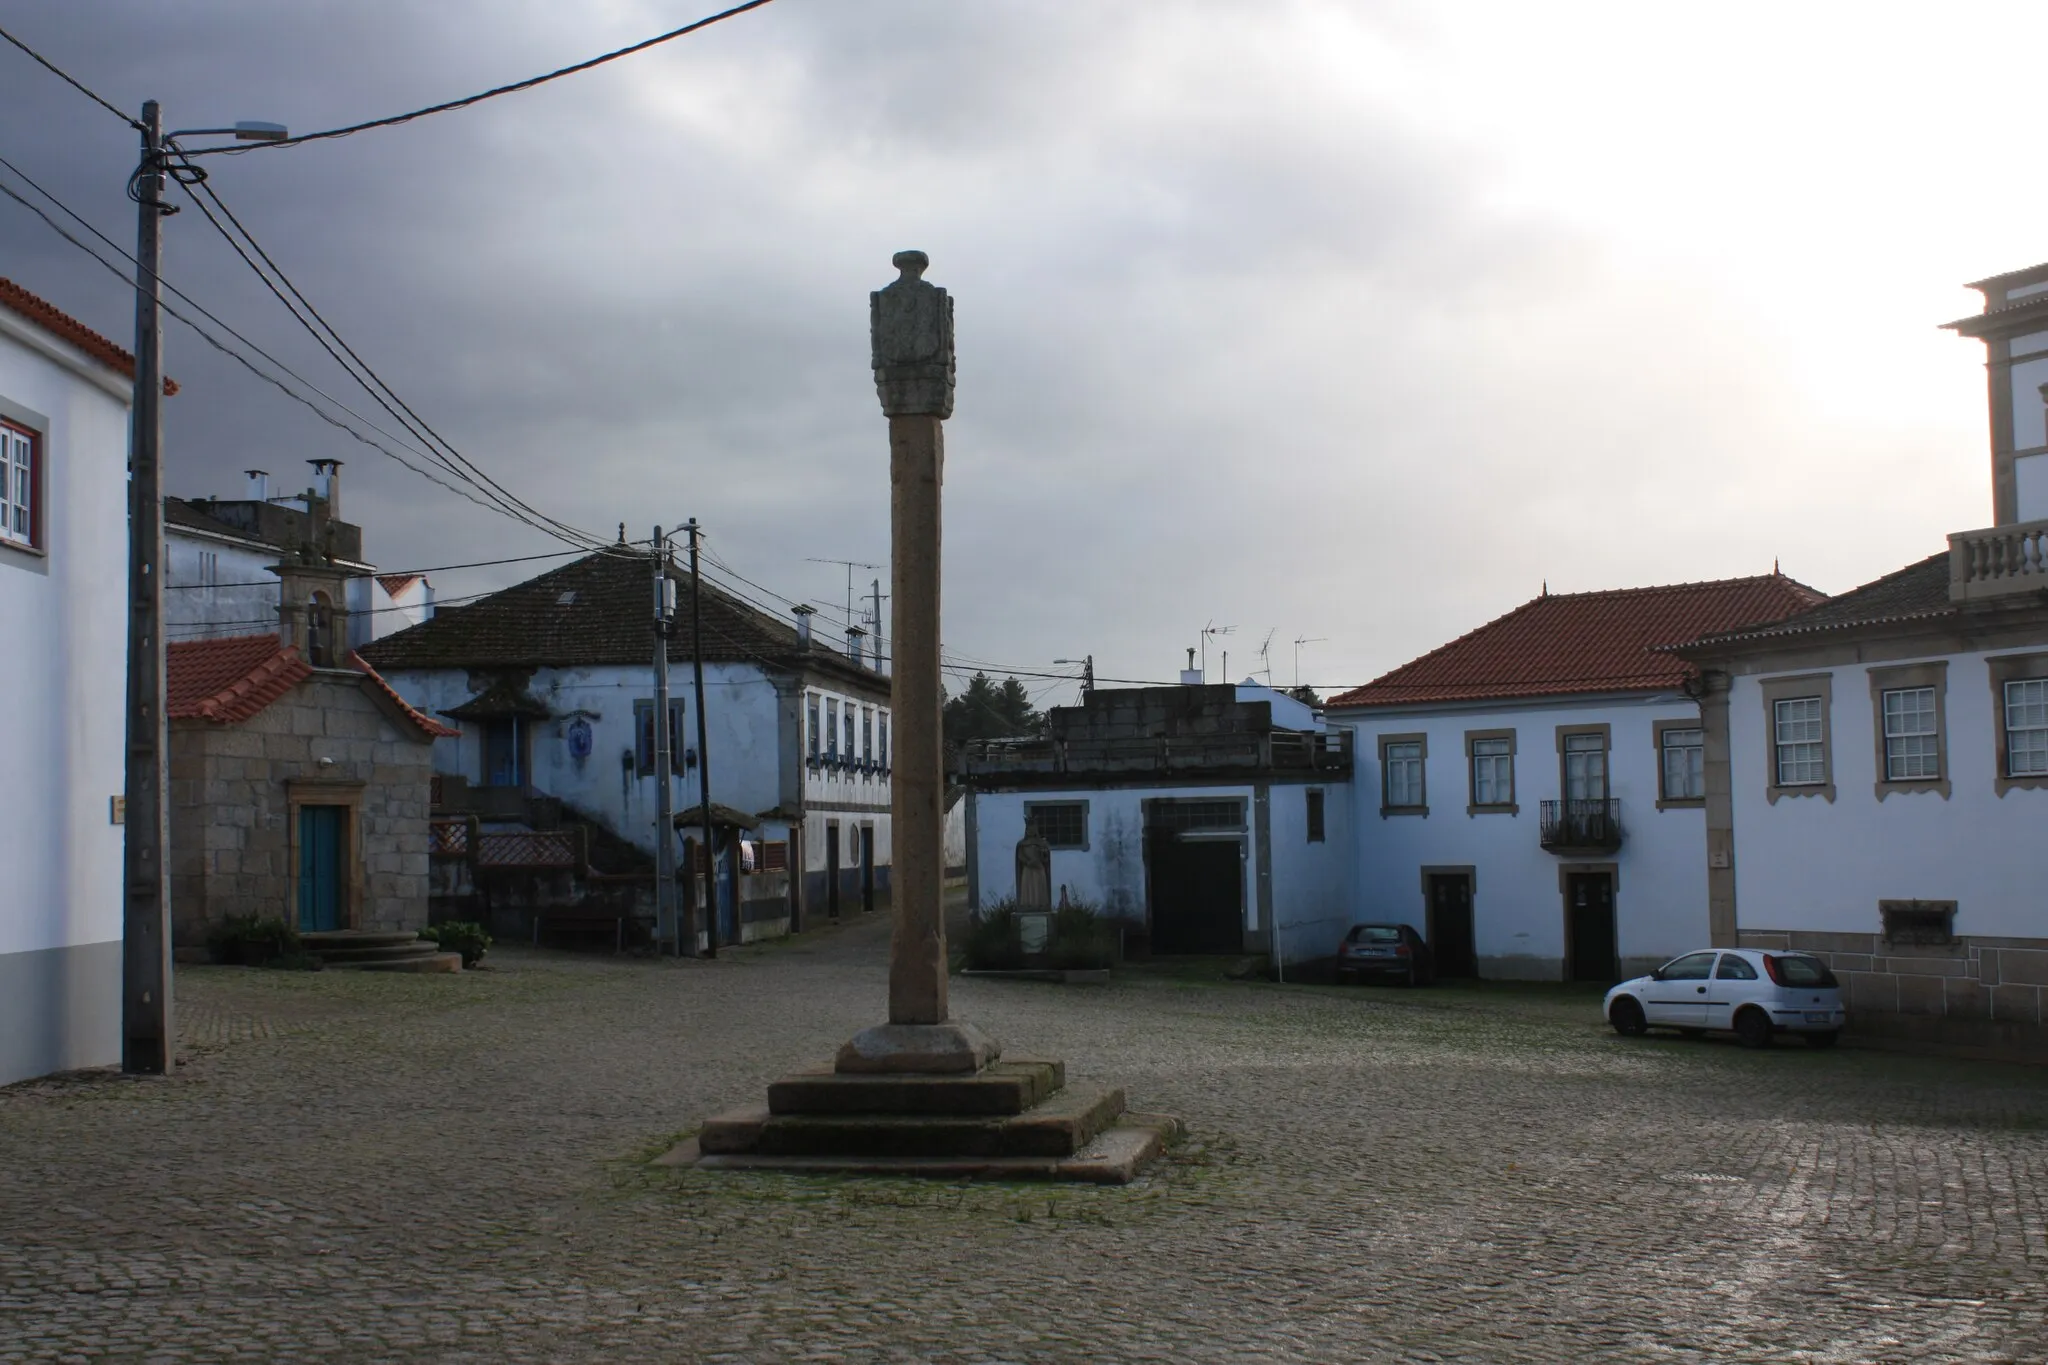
<point>850,565</point>
<point>1298,643</point>
<point>1266,664</point>
<point>1213,629</point>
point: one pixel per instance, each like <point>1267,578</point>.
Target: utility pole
<point>704,751</point>
<point>665,927</point>
<point>1087,663</point>
<point>849,565</point>
<point>877,588</point>
<point>146,1023</point>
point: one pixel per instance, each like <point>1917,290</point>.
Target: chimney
<point>327,483</point>
<point>1191,676</point>
<point>854,636</point>
<point>259,484</point>
<point>803,616</point>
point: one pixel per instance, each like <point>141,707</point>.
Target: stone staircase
<point>370,950</point>
<point>1012,1119</point>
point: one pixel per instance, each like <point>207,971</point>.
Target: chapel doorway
<point>320,867</point>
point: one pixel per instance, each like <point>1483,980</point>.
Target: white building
<point>64,398</point>
<point>552,681</point>
<point>219,554</point>
<point>1531,796</point>
<point>1201,817</point>
<point>1886,753</point>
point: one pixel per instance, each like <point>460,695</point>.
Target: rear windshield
<point>1375,933</point>
<point>1805,971</point>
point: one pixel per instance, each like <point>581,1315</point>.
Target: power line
<point>385,573</point>
<point>72,81</point>
<point>492,93</point>
<point>271,620</point>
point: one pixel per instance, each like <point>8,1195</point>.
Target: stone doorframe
<point>316,791</point>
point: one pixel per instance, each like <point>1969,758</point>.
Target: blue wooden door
<point>319,868</point>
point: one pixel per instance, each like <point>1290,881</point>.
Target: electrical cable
<point>73,82</point>
<point>384,573</point>
<point>478,98</point>
<point>271,620</point>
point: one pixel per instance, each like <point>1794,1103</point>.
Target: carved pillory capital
<point>910,328</point>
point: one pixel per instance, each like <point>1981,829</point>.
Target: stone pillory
<point>924,1093</point>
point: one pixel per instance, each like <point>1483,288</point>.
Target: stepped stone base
<point>1011,1120</point>
<point>367,950</point>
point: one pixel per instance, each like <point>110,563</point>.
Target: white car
<point>1757,995</point>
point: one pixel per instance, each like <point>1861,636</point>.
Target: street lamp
<point>1087,674</point>
<point>147,1038</point>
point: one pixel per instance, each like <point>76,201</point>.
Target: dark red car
<point>1385,952</point>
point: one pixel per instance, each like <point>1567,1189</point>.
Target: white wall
<point>63,672</point>
<point>1517,907</point>
<point>245,603</point>
<point>1807,863</point>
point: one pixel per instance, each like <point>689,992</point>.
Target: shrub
<point>991,943</point>
<point>1080,939</point>
<point>255,941</point>
<point>460,936</point>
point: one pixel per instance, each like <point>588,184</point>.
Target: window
<point>209,568</point>
<point>21,517</point>
<point>2026,728</point>
<point>1585,766</point>
<point>882,742</point>
<point>1926,923</point>
<point>849,733</point>
<point>1493,770</point>
<point>1402,775</point>
<point>1062,824</point>
<point>1682,755</point>
<point>1801,754</point>
<point>320,631</point>
<point>1168,814</point>
<point>832,729</point>
<point>1691,967</point>
<point>811,729</point>
<point>867,735</point>
<point>1734,968</point>
<point>1912,739</point>
<point>1797,733</point>
<point>1315,816</point>
<point>643,736</point>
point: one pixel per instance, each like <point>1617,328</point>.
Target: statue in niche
<point>1034,870</point>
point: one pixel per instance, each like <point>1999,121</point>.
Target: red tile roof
<point>63,326</point>
<point>396,583</point>
<point>232,679</point>
<point>229,680</point>
<point>1568,643</point>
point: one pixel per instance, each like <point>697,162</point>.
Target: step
<point>1059,1127</point>
<point>328,940</point>
<point>1006,1087</point>
<point>431,962</point>
<point>1116,1157</point>
<point>397,952</point>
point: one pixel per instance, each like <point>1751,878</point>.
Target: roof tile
<point>1566,643</point>
<point>63,326</point>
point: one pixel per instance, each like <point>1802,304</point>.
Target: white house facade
<point>64,399</point>
<point>1531,797</point>
<point>1205,819</point>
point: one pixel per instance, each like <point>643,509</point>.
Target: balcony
<point>1579,827</point>
<point>1998,561</point>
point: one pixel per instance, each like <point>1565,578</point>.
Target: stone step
<point>1116,1157</point>
<point>1006,1087</point>
<point>1059,1127</point>
<point>393,952</point>
<point>328,940</point>
<point>431,962</point>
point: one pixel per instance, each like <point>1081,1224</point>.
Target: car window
<point>1691,967</point>
<point>1375,933</point>
<point>1804,971</point>
<point>1734,968</point>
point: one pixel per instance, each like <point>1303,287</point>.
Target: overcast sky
<point>1342,320</point>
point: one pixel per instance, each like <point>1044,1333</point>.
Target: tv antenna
<point>1213,629</point>
<point>1265,663</point>
<point>1299,642</point>
<point>849,565</point>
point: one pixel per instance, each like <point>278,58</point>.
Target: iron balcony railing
<point>1581,826</point>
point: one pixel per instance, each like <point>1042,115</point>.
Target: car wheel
<point>1628,1019</point>
<point>1753,1028</point>
<point>1828,1039</point>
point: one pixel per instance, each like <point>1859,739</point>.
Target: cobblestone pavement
<point>360,1167</point>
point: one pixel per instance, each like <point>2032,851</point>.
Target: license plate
<point>1818,1017</point>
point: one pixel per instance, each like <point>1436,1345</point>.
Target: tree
<point>990,710</point>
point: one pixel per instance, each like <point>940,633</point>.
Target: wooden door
<point>1451,940</point>
<point>320,867</point>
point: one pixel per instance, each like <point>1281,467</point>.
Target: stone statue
<point>1034,871</point>
<point>910,328</point>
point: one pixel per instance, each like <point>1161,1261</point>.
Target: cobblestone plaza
<point>361,1167</point>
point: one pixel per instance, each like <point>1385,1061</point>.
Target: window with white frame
<point>867,735</point>
<point>1585,766</point>
<point>1912,735</point>
<point>1683,756</point>
<point>2026,728</point>
<point>882,742</point>
<point>209,568</point>
<point>850,750</point>
<point>832,728</point>
<point>811,716</point>
<point>20,517</point>
<point>1401,775</point>
<point>1493,772</point>
<point>1798,744</point>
